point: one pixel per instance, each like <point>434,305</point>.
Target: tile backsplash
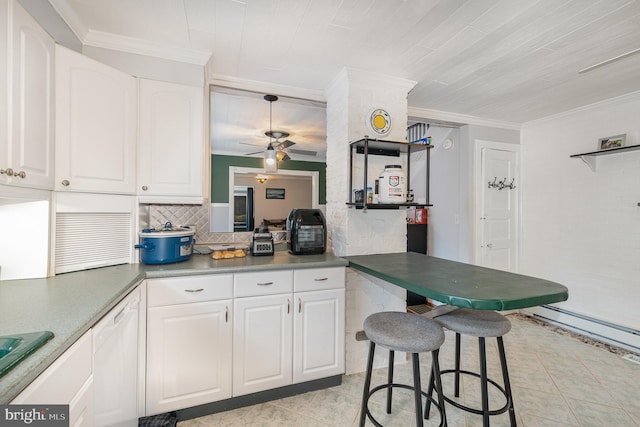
<point>197,216</point>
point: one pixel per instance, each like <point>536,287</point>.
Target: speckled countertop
<point>71,303</point>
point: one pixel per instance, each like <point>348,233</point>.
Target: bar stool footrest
<point>458,405</point>
<point>405,386</point>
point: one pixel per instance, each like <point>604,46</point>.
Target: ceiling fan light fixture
<point>270,160</point>
<point>261,178</point>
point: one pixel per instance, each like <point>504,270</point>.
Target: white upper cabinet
<point>170,144</point>
<point>26,113</point>
<point>96,112</point>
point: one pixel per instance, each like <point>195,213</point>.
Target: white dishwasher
<point>115,364</point>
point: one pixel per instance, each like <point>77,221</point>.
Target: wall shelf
<point>379,147</point>
<point>591,158</point>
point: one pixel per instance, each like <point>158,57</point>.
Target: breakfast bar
<point>460,284</point>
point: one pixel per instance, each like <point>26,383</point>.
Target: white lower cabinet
<point>318,334</point>
<point>188,341</point>
<point>68,380</point>
<point>289,337</point>
<point>262,343</point>
<point>214,337</point>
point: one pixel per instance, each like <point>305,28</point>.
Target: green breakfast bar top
<point>460,284</point>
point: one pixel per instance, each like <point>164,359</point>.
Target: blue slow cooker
<point>165,245</point>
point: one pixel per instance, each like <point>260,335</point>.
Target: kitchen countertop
<point>70,304</point>
<point>460,284</point>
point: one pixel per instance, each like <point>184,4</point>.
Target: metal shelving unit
<point>378,147</point>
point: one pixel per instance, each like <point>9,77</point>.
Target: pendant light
<point>270,158</point>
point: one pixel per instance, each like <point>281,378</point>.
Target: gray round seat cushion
<point>477,323</point>
<point>406,332</point>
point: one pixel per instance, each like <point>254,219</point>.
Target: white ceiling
<point>506,60</point>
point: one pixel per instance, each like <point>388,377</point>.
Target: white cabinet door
<point>262,343</point>
<point>66,381</point>
<point>188,355</point>
<point>170,151</point>
<point>318,330</point>
<point>96,116</point>
<point>28,142</point>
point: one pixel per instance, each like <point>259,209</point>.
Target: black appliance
<point>243,208</point>
<point>306,232</point>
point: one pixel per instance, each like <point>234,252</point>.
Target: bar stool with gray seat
<point>480,324</point>
<point>411,333</point>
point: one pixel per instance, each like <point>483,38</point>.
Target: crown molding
<point>265,87</point>
<point>599,104</point>
<point>141,47</point>
<point>426,113</point>
<point>70,17</point>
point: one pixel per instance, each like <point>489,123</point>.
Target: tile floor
<point>557,380</point>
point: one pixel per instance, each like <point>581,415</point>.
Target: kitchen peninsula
<point>460,284</point>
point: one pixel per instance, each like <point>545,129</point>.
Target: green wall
<point>220,174</point>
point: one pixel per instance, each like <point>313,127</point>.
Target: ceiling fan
<point>281,148</point>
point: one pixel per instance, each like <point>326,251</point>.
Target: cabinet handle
<point>265,283</point>
<point>194,290</point>
<point>65,183</point>
<point>21,174</point>
<point>299,305</point>
<point>288,306</point>
<point>226,314</point>
<point>145,188</point>
<point>7,171</point>
<point>322,279</point>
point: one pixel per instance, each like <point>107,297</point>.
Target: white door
<point>318,349</point>
<point>188,355</point>
<point>96,125</point>
<point>498,210</point>
<point>262,343</point>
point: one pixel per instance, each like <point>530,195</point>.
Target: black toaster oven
<point>306,232</point>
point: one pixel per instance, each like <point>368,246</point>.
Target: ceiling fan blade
<point>286,157</point>
<point>286,144</point>
<point>257,152</point>
<point>303,152</point>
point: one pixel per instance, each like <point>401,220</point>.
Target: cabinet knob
<point>145,188</point>
<point>7,171</point>
<point>21,174</point>
<point>65,182</point>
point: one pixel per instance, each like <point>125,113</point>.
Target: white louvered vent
<point>88,240</point>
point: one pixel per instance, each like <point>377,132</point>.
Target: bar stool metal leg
<point>484,387</point>
<point>390,380</point>
<point>507,383</point>
<point>417,388</point>
<point>367,383</point>
<point>457,367</point>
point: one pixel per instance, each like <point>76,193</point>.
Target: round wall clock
<point>380,122</point>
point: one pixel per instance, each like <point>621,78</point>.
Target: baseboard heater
<point>600,330</point>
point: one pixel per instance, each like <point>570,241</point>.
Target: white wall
<point>582,228</point>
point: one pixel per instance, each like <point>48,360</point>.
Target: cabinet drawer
<point>263,283</point>
<point>315,279</point>
<point>187,289</point>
